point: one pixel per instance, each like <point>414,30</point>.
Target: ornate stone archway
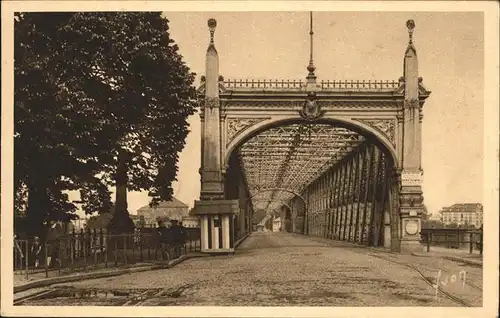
<point>385,113</point>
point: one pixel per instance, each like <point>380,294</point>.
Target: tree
<point>148,87</point>
<point>108,106</point>
<point>453,225</point>
<point>432,224</point>
<point>425,213</point>
<point>100,221</point>
<point>54,144</point>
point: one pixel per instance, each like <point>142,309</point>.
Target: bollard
<point>133,247</point>
<point>84,247</point>
<point>72,251</point>
<point>141,236</point>
<point>471,241</point>
<point>27,261</point>
<point>105,238</point>
<point>94,249</point>
<point>149,248</point>
<point>481,242</point>
<point>101,243</point>
<point>428,242</point>
<point>73,248</point>
<point>116,249</point>
<point>46,261</point>
<point>125,248</point>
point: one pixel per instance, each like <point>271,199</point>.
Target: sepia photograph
<point>294,158</point>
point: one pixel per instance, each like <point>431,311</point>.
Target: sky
<point>359,46</point>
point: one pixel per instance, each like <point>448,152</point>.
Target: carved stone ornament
<point>212,102</point>
<point>411,200</point>
<point>311,109</point>
<point>412,103</point>
<point>237,125</point>
<point>385,126</point>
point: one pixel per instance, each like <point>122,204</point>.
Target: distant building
<point>191,220</point>
<point>463,214</point>
<point>139,220</point>
<point>172,210</point>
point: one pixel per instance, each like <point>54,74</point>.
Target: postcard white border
<point>491,156</point>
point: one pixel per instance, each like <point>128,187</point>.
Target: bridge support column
<point>411,198</point>
<point>215,213</point>
<point>217,224</point>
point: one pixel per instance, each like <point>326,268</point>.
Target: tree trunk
<point>37,209</point>
<point>121,221</point>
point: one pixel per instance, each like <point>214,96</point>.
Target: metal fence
<point>97,249</point>
<point>470,239</point>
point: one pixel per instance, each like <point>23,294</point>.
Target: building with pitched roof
<point>169,210</point>
<point>463,214</point>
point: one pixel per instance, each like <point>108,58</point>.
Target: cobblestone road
<point>279,269</point>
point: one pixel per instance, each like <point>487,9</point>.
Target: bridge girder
<point>293,156</point>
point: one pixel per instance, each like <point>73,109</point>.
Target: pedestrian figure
<point>53,241</point>
<point>184,235</point>
<point>164,240</point>
<point>177,238</point>
<point>36,248</point>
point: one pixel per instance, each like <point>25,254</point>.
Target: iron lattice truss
<point>290,158</point>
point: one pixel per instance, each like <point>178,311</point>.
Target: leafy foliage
<point>425,213</point>
<point>90,88</point>
<point>432,224</point>
<point>100,221</point>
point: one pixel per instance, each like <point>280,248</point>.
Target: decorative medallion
<point>212,102</point>
<point>411,227</point>
<point>311,109</point>
<point>385,126</point>
<point>237,125</point>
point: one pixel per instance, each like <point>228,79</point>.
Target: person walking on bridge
<point>177,238</point>
<point>164,240</point>
<point>184,235</point>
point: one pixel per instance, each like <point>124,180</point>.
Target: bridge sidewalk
<point>458,255</point>
<point>39,279</point>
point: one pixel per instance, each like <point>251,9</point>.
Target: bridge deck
<point>282,269</point>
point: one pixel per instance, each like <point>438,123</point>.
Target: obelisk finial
<point>410,24</point>
<point>311,76</point>
<point>212,24</point>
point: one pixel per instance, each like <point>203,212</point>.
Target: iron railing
<point>336,85</point>
<point>97,249</point>
<point>360,85</point>
<point>452,238</point>
<point>263,84</point>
